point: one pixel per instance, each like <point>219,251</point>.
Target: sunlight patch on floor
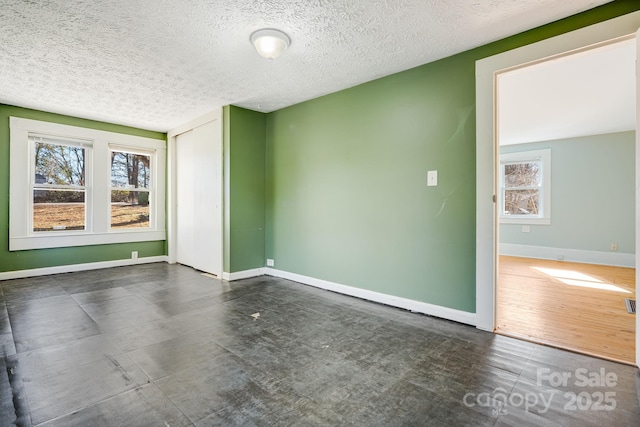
<point>575,278</point>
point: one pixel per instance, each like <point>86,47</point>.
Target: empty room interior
<point>559,283</point>
<point>314,213</point>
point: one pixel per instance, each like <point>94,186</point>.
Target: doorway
<point>566,201</point>
<point>596,35</point>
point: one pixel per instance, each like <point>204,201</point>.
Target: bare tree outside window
<point>130,188</point>
<point>63,179</point>
<point>59,187</point>
<point>522,188</point>
<point>525,186</point>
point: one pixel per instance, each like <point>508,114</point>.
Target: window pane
<point>58,210</point>
<point>129,209</point>
<point>521,202</point>
<point>59,164</point>
<point>522,175</point>
<point>130,170</point>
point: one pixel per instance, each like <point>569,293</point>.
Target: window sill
<point>526,221</point>
<point>70,240</point>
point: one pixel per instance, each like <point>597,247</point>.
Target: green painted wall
<point>592,195</point>
<point>347,199</point>
<point>244,183</point>
<point>25,260</point>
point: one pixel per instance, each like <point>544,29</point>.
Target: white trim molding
<point>394,301</point>
<point>97,226</point>
<point>245,274</point>
<point>487,69</point>
<point>616,259</point>
<point>44,242</point>
<point>192,124</point>
<point>20,274</point>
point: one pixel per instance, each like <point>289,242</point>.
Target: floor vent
<point>631,305</point>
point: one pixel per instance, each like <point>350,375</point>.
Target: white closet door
<point>184,205</point>
<point>198,199</point>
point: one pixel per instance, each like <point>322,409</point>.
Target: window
<point>59,183</point>
<point>525,187</point>
<point>130,189</point>
<point>74,186</point>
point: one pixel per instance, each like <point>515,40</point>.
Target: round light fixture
<point>270,43</point>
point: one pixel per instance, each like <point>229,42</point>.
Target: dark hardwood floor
<point>162,345</point>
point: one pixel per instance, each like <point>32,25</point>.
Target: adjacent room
<point>305,213</point>
<point>567,201</point>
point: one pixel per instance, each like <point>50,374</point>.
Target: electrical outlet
<point>134,254</point>
<point>270,263</point>
<point>526,229</point>
<point>614,247</point>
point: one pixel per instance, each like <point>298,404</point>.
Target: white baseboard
<point>407,304</point>
<point>19,274</point>
<point>573,255</point>
<point>245,274</point>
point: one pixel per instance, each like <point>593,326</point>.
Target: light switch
<point>432,178</point>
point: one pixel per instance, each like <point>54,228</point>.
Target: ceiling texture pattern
<point>158,64</point>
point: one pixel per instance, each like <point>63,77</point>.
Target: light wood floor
<point>554,303</point>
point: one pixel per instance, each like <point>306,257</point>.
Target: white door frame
<point>172,180</point>
<point>486,151</point>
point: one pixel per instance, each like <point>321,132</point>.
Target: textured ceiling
<point>157,64</point>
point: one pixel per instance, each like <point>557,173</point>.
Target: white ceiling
<point>587,93</point>
<point>157,64</point>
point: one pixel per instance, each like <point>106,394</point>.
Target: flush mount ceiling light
<point>270,43</point>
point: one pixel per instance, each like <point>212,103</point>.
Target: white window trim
<point>544,156</point>
<point>21,235</point>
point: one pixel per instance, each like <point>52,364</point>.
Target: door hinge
<point>494,198</point>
